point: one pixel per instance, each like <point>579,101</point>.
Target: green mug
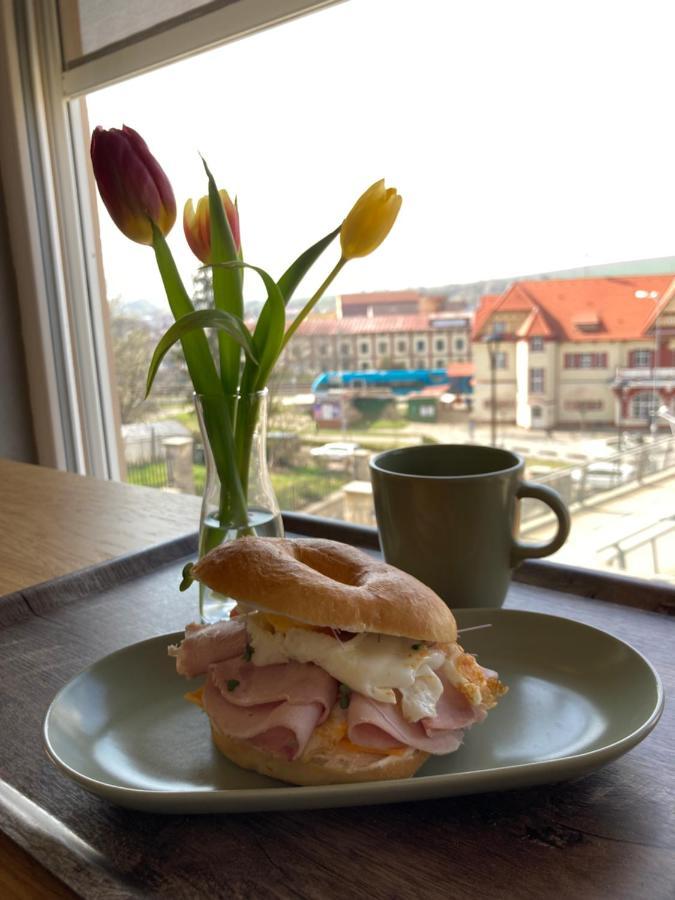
<point>448,514</point>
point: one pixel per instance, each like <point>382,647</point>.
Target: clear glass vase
<point>238,495</point>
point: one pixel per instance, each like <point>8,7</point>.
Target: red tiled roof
<point>380,297</point>
<point>485,306</point>
<point>363,325</point>
<point>581,309</point>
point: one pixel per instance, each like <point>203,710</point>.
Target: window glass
<point>589,213</point>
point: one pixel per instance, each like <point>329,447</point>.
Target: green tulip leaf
<point>227,283</point>
<point>292,277</point>
<point>268,334</point>
<point>201,318</point>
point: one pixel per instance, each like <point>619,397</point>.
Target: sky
<point>523,136</point>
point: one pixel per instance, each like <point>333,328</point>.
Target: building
<point>579,352</point>
<point>421,341</point>
<point>386,303</point>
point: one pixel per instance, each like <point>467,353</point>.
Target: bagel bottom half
<point>321,767</point>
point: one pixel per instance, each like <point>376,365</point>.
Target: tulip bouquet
<point>140,200</point>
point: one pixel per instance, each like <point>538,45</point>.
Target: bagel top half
<point>326,583</point>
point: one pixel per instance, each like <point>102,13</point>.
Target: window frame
<point>50,201</point>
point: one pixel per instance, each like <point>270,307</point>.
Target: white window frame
<point>44,164</point>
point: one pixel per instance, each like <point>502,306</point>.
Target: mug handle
<point>547,495</point>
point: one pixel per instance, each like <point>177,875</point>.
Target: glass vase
<point>238,497</point>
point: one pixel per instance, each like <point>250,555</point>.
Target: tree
<point>133,342</point>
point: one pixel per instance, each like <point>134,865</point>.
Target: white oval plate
<point>577,699</point>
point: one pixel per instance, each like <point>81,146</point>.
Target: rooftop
<point>579,310</point>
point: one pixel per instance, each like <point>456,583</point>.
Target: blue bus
<point>399,381</point>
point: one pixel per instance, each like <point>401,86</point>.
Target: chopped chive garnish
<point>344,693</point>
<point>232,684</point>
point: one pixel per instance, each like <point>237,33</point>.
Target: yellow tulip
<point>370,221</point>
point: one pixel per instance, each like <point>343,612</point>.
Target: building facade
<point>576,353</point>
<point>421,341</point>
<point>386,303</point>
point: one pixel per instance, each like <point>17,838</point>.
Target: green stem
<point>309,306</point>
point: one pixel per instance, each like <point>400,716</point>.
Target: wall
<point>16,431</point>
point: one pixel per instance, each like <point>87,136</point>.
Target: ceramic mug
<point>448,514</point>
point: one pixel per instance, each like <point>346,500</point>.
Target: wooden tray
<point>610,833</point>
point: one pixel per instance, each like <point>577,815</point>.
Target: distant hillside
<point>471,293</point>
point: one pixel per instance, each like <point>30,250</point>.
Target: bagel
<point>326,583</point>
<point>335,667</point>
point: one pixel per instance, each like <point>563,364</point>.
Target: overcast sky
<point>524,136</point>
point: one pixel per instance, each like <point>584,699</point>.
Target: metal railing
<point>579,484</point>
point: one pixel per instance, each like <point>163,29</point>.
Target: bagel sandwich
<point>334,666</point>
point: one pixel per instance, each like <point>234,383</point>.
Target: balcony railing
<point>645,375</point>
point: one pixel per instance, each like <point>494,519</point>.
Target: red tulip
<point>197,226</point>
<point>132,184</point>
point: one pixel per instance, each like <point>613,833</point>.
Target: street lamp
<point>492,342</point>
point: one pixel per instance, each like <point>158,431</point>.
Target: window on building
<point>641,359</point>
<point>536,344</point>
<point>537,412</point>
<point>439,344</point>
<point>500,359</point>
<point>324,349</point>
<point>364,365</point>
<point>583,405</point>
<point>498,329</point>
<point>585,361</point>
<point>382,347</point>
<point>440,363</point>
<point>364,348</point>
<point>401,346</point>
<point>459,344</point>
<point>536,381</point>
<point>420,345</point>
<point>643,406</point>
<point>345,349</point>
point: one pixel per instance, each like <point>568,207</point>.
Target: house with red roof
<point>589,351</point>
<point>409,341</point>
<point>386,303</point>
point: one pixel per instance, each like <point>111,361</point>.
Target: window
<point>440,363</point>
<point>420,345</point>
<point>439,345</point>
<point>382,347</point>
<point>642,406</point>
<point>585,360</point>
<point>536,381</point>
<point>324,349</point>
<point>641,359</point>
<point>495,251</point>
<point>537,412</point>
<point>583,405</point>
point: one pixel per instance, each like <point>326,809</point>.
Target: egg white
<point>373,664</point>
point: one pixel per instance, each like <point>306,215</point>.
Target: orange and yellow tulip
<point>197,226</point>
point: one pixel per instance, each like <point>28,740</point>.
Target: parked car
<point>602,475</point>
<point>335,450</point>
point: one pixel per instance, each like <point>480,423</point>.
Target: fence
<point>577,485</point>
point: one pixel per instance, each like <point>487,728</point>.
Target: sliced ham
<point>292,682</point>
<point>382,726</point>
<point>206,644</point>
<point>453,712</point>
<point>280,728</point>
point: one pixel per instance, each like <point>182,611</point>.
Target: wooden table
<point>53,523</point>
<point>610,834</point>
